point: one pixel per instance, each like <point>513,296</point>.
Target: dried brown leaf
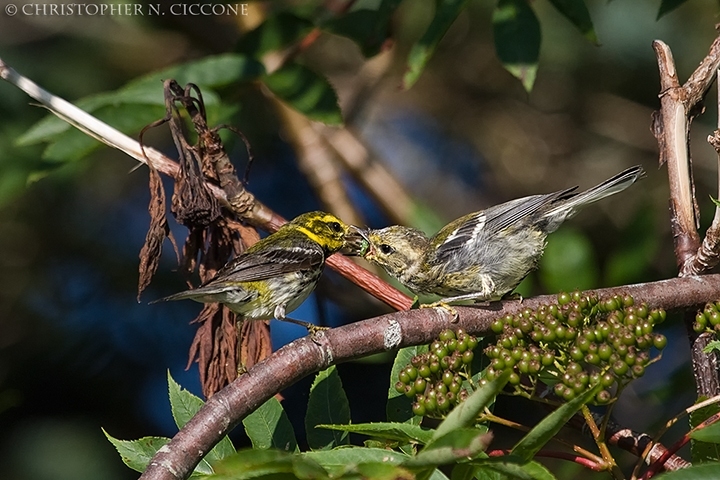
<point>215,348</point>
<point>255,342</point>
<point>158,230</point>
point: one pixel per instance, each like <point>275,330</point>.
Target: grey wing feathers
<point>494,219</point>
<point>509,213</point>
<point>268,263</point>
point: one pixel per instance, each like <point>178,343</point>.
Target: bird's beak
<point>356,242</point>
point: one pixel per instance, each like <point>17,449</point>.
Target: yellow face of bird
<point>399,250</point>
<point>329,232</point>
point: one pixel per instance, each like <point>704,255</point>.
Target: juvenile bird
<point>483,255</point>
<point>273,277</point>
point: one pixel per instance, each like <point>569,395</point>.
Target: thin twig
<point>585,462</point>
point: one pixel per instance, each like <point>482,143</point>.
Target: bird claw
<point>314,330</point>
<point>445,306</point>
<point>311,327</point>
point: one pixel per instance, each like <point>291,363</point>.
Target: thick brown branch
<point>671,126</point>
<point>307,355</point>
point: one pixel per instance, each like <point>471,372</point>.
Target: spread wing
<point>270,261</point>
<point>467,231</point>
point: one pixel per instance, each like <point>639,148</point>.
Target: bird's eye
<point>386,249</point>
<point>336,227</point>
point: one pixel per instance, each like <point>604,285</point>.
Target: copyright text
<point>125,9</point>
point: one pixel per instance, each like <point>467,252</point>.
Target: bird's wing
<point>466,231</point>
<point>270,261</point>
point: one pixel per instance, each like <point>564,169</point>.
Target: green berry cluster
<point>435,378</point>
<point>577,343</point>
<point>708,320</point>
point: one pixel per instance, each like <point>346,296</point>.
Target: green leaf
<point>305,91</point>
<point>517,39</point>
<point>366,27</point>
<point>706,471</point>
<point>341,460</point>
<point>701,450</point>
<point>667,6</point>
<point>576,11</point>
<point>210,72</point>
<point>459,444</point>
<point>184,405</point>
<point>377,471</point>
<point>465,414</point>
<point>399,407</point>
<point>137,454</point>
<point>270,464</point>
<point>463,471</point>
<point>275,33</point>
<point>713,346</point>
<point>549,426</point>
<point>269,427</point>
<point>510,466</point>
<point>336,461</point>
<point>402,432</point>
<point>327,404</point>
<point>709,434</point>
<point>147,91</point>
<point>445,14</point>
<point>568,262</point>
<point>74,144</point>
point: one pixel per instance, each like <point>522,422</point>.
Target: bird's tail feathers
<point>195,293</point>
<point>611,186</point>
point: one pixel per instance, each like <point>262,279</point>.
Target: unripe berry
<point>409,391</point>
<point>434,366</point>
<point>446,335</point>
<point>659,341</point>
<point>620,368</point>
<point>592,359</point>
<point>497,326</point>
<point>638,371</point>
<point>607,379</point>
<point>603,397</point>
<point>547,359</point>
<point>443,404</point>
<point>467,357</point>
